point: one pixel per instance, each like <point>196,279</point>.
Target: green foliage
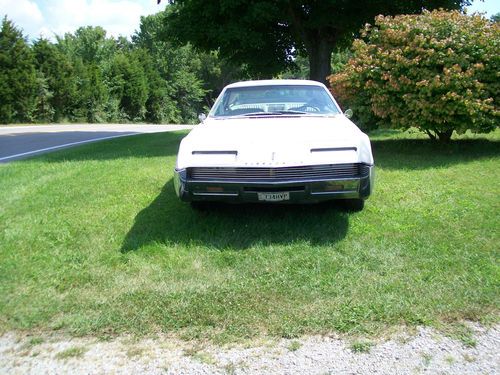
<point>87,76</point>
<point>340,58</point>
<point>128,84</point>
<point>266,35</point>
<point>18,79</point>
<point>299,70</point>
<point>44,112</point>
<point>192,79</point>
<point>438,71</point>
<point>93,94</point>
<point>362,346</point>
<point>73,352</point>
<point>216,72</point>
<point>159,107</point>
<point>90,44</point>
<point>61,81</point>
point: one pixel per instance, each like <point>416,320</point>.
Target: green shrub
<point>438,71</point>
<point>18,79</point>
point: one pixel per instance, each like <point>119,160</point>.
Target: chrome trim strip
<point>216,194</point>
<point>333,192</point>
<point>334,149</point>
<point>266,182</point>
<point>215,153</point>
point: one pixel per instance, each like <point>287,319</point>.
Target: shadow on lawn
<point>233,227</point>
<point>424,153</point>
<point>167,220</point>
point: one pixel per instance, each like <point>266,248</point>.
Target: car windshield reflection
<point>276,100</point>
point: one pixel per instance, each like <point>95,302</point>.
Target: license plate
<point>274,197</point>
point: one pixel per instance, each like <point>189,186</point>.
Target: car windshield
<point>275,100</point>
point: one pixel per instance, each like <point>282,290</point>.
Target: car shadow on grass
<point>166,220</point>
<point>234,227</point>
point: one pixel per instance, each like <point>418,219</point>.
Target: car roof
<point>273,82</point>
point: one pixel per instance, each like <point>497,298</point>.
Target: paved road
<point>19,142</point>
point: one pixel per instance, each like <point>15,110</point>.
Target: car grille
<point>309,172</point>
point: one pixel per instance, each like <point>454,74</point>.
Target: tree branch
<point>431,135</point>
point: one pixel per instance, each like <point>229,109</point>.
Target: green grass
<point>294,346</point>
<point>35,341</point>
<point>75,352</point>
<point>94,241</point>
<point>361,346</point>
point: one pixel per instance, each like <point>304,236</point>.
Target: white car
<point>275,141</point>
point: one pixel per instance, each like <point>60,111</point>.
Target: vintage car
<point>275,141</point>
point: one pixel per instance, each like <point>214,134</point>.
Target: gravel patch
<point>426,351</point>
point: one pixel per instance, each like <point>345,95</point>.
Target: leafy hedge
<point>438,71</point>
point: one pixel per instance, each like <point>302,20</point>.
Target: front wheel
<point>200,206</point>
<point>353,205</point>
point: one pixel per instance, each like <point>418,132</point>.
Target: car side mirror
<point>202,117</point>
<point>348,113</point>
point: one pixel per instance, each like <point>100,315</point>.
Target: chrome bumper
<point>311,190</point>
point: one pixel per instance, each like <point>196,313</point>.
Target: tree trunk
<point>320,55</point>
<point>445,136</point>
<point>441,136</point>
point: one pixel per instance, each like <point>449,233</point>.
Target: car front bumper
<point>301,191</point>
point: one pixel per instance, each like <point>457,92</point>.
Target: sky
<point>55,17</point>
<point>490,7</point>
<point>118,17</point>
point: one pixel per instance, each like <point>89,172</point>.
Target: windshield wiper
<point>293,112</point>
<point>273,113</point>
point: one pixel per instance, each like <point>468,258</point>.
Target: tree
<point>18,81</point>
<point>495,17</point>
<point>44,112</point>
<point>216,73</point>
<point>267,34</point>
<point>159,107</point>
<point>93,95</point>
<point>129,85</point>
<point>58,73</point>
<point>178,66</point>
<point>88,43</point>
<point>437,71</point>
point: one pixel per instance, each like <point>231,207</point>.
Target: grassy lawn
<point>94,241</point>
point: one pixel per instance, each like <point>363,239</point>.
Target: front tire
<point>199,206</point>
<point>353,205</point>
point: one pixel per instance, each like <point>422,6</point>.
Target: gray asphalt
<point>19,142</point>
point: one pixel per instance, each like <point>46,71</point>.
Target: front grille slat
<point>353,170</point>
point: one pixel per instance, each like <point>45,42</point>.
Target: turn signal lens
<point>214,189</point>
<point>333,187</point>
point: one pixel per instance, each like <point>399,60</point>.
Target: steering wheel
<point>308,108</point>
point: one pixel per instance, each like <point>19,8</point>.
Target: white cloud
<point>24,13</point>
<point>51,17</point>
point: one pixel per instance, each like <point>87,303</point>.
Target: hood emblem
<point>272,156</point>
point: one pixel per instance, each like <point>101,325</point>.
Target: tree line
<point>174,65</point>
<point>87,76</point>
<point>436,71</point>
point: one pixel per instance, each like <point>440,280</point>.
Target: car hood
<point>274,141</point>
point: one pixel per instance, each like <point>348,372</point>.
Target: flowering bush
<point>437,71</point>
